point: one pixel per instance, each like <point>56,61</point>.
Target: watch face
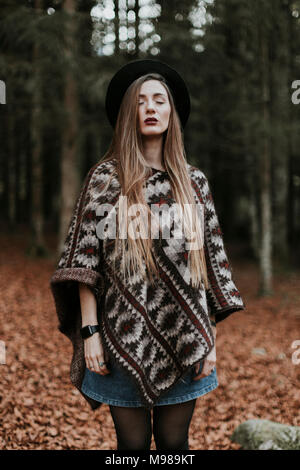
<point>90,330</point>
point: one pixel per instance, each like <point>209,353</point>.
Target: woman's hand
<point>209,361</point>
<point>94,353</point>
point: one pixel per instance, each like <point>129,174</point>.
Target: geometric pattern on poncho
<point>155,333</point>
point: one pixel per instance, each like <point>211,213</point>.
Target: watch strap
<point>88,330</point>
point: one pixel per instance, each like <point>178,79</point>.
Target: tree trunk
<point>293,132</point>
<point>11,163</point>
<point>280,124</point>
<point>137,24</point>
<point>69,164</point>
<point>265,173</point>
<point>117,27</point>
<point>37,243</point>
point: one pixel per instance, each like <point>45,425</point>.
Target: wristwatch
<point>89,330</point>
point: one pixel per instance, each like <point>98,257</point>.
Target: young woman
<point>139,298</point>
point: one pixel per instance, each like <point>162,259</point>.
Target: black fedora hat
<point>135,69</point>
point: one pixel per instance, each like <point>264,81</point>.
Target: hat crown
<point>134,69</point>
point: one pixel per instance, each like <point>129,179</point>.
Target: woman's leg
<point>133,427</point>
<point>171,425</point>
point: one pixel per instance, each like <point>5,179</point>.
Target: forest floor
<point>41,409</point>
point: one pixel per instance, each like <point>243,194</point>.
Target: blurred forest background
<point>240,60</point>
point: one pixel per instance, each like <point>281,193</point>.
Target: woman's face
<point>153,104</point>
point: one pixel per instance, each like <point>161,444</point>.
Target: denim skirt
<point>117,389</point>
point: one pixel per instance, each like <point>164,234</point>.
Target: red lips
<point>150,120</point>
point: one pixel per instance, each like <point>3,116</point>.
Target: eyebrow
<point>154,94</point>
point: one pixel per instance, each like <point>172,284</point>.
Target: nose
<point>150,105</point>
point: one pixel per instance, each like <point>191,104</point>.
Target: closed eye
<point>158,102</point>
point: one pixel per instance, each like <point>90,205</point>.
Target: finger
<point>96,367</point>
<point>103,370</point>
<point>86,357</point>
<point>90,365</point>
<point>102,357</point>
<point>201,375</point>
<point>206,371</point>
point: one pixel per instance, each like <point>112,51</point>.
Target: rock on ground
<point>263,434</point>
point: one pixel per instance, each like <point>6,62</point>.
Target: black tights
<point>170,426</point>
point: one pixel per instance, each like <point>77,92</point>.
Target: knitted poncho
<point>155,333</point>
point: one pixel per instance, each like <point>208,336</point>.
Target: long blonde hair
<point>132,171</point>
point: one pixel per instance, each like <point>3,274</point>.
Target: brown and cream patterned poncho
<point>155,334</point>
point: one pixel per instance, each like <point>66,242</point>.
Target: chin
<point>152,131</point>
